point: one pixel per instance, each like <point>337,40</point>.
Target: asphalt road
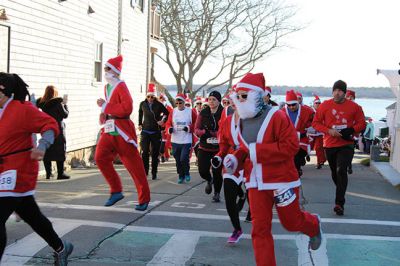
<point>183,226</point>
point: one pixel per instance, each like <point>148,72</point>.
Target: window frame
<point>138,4</point>
<point>98,60</point>
<point>8,47</point>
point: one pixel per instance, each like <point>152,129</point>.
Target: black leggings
<point>232,191</point>
<point>204,165</point>
<point>29,211</point>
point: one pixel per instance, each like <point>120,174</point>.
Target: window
<point>4,48</point>
<point>137,4</point>
<point>98,62</point>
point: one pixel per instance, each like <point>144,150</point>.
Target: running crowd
<point>243,142</point>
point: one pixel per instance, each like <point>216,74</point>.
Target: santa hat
<point>188,101</point>
<point>255,82</point>
<point>115,64</point>
<point>291,97</point>
<point>351,93</point>
<point>225,98</point>
<point>205,101</point>
<point>268,91</point>
<point>198,100</point>
<point>316,99</point>
<point>162,96</point>
<point>299,94</point>
<point>180,96</point>
<point>151,90</point>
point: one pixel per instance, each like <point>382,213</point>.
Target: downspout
<point>148,44</point>
<point>119,44</point>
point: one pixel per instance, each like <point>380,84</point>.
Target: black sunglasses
<point>241,96</point>
<point>107,68</point>
<point>150,96</point>
<point>178,102</point>
<point>291,105</point>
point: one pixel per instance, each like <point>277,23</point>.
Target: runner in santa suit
<point>301,117</point>
<point>165,137</point>
<point>19,166</point>
<point>268,143</point>
<point>317,138</point>
<point>228,143</point>
<point>119,137</point>
<point>267,97</point>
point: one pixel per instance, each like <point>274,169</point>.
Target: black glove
<point>185,128</point>
<point>216,161</point>
<point>347,133</point>
<point>207,134</point>
<point>170,130</point>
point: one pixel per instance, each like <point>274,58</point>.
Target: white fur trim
<point>248,86</point>
<point>103,107</point>
<point>273,186</point>
<point>292,102</point>
<point>113,68</point>
<point>17,194</point>
<point>125,137</point>
<point>220,161</point>
<point>253,153</point>
<point>179,98</point>
<point>236,179</point>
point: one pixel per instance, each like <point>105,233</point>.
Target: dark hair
<point>13,84</point>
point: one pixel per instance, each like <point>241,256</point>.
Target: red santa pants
<point>291,217</point>
<point>107,148</point>
<point>319,149</point>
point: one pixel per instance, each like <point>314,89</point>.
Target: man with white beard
<point>268,143</point>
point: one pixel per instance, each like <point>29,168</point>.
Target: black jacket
<point>209,122</point>
<point>56,109</point>
<point>148,118</point>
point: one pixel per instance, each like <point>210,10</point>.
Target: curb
<point>387,172</point>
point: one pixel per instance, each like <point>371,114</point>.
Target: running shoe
<point>61,258</point>
<point>339,210</point>
<point>114,198</point>
<point>235,237</point>
<point>187,178</point>
<point>180,180</point>
<point>315,242</point>
<point>142,207</point>
<point>215,198</point>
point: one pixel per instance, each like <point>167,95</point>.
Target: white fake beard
<point>250,107</point>
<point>110,78</point>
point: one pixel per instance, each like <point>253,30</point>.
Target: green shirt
<point>109,88</point>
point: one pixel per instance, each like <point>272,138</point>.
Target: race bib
<point>283,197</point>
<point>8,179</point>
<point>212,140</point>
<point>180,127</point>
<point>109,126</point>
<point>339,127</point>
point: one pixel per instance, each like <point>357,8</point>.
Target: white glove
<point>230,163</point>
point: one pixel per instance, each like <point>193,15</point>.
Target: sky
<point>343,39</point>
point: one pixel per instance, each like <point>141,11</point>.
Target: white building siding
<point>54,43</point>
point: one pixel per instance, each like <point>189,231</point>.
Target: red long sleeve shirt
<point>338,115</point>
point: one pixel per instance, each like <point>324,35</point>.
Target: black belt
<point>116,117</point>
<point>12,153</point>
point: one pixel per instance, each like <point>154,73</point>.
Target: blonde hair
<point>49,93</point>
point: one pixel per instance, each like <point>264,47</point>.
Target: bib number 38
<point>8,179</point>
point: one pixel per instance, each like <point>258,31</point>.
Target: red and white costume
<point>316,138</point>
<point>17,123</point>
<point>118,107</point>
<point>271,176</point>
<point>303,121</point>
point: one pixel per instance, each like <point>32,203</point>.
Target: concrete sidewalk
<point>387,172</point>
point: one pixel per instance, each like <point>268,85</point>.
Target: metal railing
<point>155,26</point>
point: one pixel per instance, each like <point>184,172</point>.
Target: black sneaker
<point>208,188</point>
<point>308,158</point>
<point>319,166</point>
<point>248,218</point>
<point>162,159</point>
<point>61,258</point>
<point>154,177</point>
<point>339,210</point>
<point>215,198</point>
<point>63,176</point>
<point>350,170</point>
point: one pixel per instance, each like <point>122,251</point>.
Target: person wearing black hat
<point>206,128</point>
<point>339,119</point>
<point>19,166</point>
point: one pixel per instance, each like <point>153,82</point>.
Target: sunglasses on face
<point>178,102</point>
<point>150,97</point>
<point>107,68</point>
<point>292,105</point>
<point>241,96</point>
<point>198,103</point>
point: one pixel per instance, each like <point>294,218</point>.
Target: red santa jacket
<point>228,134</point>
<point>270,164</point>
<point>303,121</point>
<point>119,106</point>
<point>17,123</point>
<point>164,134</point>
<point>332,115</point>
